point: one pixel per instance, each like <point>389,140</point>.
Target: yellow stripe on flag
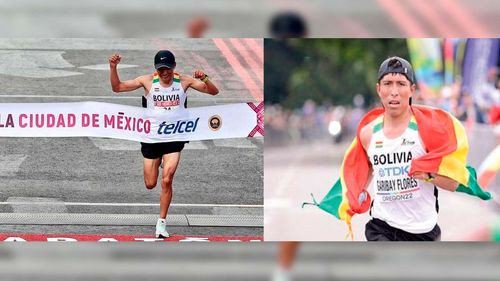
<point>454,164</point>
<point>344,205</point>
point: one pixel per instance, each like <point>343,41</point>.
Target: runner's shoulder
<point>186,80</point>
<point>183,77</point>
<point>145,79</point>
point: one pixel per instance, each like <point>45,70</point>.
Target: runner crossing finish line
<point>96,119</point>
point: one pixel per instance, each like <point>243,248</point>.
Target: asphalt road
<point>104,176</point>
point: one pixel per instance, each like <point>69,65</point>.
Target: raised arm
<point>116,84</point>
<point>201,82</point>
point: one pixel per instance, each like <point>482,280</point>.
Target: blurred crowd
<point>481,109</point>
<point>312,122</point>
<point>336,123</point>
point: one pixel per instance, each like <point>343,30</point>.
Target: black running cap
<point>396,65</point>
<point>164,58</point>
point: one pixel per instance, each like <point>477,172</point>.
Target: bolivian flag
<point>447,147</point>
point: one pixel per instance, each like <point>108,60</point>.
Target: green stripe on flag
<point>332,200</point>
<point>473,187</point>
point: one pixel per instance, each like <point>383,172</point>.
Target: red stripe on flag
<point>433,139</point>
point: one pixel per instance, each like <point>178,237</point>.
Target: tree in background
<point>325,70</point>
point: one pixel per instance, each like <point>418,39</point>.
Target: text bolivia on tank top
<point>400,200</point>
<point>172,97</point>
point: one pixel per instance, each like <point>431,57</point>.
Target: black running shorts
<point>379,230</point>
<point>157,150</point>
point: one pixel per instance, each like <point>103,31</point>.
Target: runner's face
<point>165,73</point>
<point>395,90</point>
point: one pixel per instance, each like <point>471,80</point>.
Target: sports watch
<point>431,177</point>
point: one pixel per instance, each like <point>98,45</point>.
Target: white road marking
<point>105,66</point>
<point>36,205</point>
<point>34,64</point>
<point>9,164</point>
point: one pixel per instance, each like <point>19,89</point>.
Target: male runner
<point>163,90</point>
<point>406,151</point>
<point>404,208</point>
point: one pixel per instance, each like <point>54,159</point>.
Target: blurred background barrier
<point>241,18</point>
<point>248,261</point>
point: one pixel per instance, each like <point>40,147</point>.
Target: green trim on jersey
<point>413,126</point>
<point>177,77</point>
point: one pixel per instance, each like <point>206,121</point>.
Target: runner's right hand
<point>114,60</point>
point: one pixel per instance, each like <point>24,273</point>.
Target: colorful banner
<point>459,54</point>
<point>427,61</point>
<point>480,56</point>
<point>96,119</point>
<point>448,55</point>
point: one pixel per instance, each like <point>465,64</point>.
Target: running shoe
<point>161,229</point>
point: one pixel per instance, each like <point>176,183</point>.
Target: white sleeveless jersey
<point>399,200</point>
<point>172,97</point>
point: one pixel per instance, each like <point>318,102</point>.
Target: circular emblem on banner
<point>215,122</point>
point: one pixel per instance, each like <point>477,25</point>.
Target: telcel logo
<point>178,127</point>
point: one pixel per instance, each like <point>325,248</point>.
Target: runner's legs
<point>170,163</point>
<point>151,172</point>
